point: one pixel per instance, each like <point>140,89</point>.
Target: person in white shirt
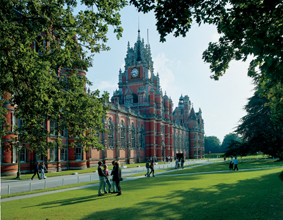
<point>176,163</point>
<point>231,164</point>
<point>236,164</point>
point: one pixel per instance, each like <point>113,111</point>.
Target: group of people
<point>39,167</point>
<point>104,178</point>
<point>169,159</point>
<point>149,165</point>
<point>177,163</point>
<point>233,162</point>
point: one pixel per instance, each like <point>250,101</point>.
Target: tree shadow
<point>258,198</point>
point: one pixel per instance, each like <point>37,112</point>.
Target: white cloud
<point>162,65</point>
<point>105,86</point>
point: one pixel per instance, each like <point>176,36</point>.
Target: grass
<point>48,190</point>
<point>232,195</point>
<point>214,155</point>
<point>69,172</point>
<point>224,166</point>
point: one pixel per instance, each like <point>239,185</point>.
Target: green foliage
<point>212,143</point>
<point>247,29</point>
<point>259,132</point>
<point>44,46</point>
<point>228,139</point>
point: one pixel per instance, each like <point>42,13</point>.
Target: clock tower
<point>138,78</point>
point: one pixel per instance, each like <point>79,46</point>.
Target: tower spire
<point>139,37</point>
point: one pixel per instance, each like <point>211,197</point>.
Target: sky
<point>181,70</point>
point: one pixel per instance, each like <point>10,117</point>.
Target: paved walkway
<point>17,186</point>
<point>92,185</point>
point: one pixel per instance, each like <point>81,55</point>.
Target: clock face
<point>135,73</point>
<point>149,73</point>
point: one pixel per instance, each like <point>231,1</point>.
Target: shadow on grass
<point>259,198</point>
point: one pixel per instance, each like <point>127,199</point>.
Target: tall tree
<point>228,139</point>
<point>247,28</point>
<point>259,132</point>
<point>44,47</point>
<point>211,143</point>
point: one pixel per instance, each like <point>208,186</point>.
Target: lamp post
<point>18,160</point>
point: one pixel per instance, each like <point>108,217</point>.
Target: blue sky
<point>181,69</point>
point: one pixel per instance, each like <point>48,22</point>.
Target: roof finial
<point>139,38</point>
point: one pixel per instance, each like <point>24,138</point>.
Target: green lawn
<point>232,195</point>
<point>225,166</point>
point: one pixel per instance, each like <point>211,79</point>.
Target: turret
<point>186,108</point>
<point>166,106</point>
<point>158,97</point>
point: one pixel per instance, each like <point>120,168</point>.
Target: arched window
<point>142,137</point>
<point>111,133</point>
<point>123,134</point>
<point>133,136</point>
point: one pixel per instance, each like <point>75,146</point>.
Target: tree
<point>259,132</point>
<point>246,28</point>
<point>44,52</point>
<point>236,148</point>
<point>211,143</point>
<point>228,140</point>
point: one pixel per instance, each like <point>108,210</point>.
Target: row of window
<point>53,155</point>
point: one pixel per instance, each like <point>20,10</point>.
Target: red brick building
<point>141,124</point>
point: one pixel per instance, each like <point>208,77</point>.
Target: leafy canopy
<point>44,45</point>
<point>259,132</point>
<point>247,28</point>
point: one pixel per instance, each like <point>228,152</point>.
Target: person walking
<point>236,164</point>
<point>101,178</point>
<point>176,163</point>
<point>117,177</point>
<point>36,170</point>
<point>182,163</point>
<point>147,168</point>
<point>231,164</point>
<point>106,180</point>
<point>113,182</point>
<point>43,169</point>
<point>151,169</point>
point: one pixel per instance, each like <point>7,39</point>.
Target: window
<point>142,137</point>
<point>63,131</point>
<point>78,152</point>
<point>2,154</point>
<point>24,155</point>
<point>52,154</point>
<point>133,136</point>
<point>53,126</point>
<point>111,133</point>
<point>14,121</point>
<point>123,134</point>
<point>63,154</point>
<point>14,155</point>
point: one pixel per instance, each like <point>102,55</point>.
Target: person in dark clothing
<point>101,178</point>
<point>151,168</point>
<point>117,177</point>
<point>113,182</point>
<point>36,170</point>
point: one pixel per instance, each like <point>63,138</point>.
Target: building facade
<point>141,124</point>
